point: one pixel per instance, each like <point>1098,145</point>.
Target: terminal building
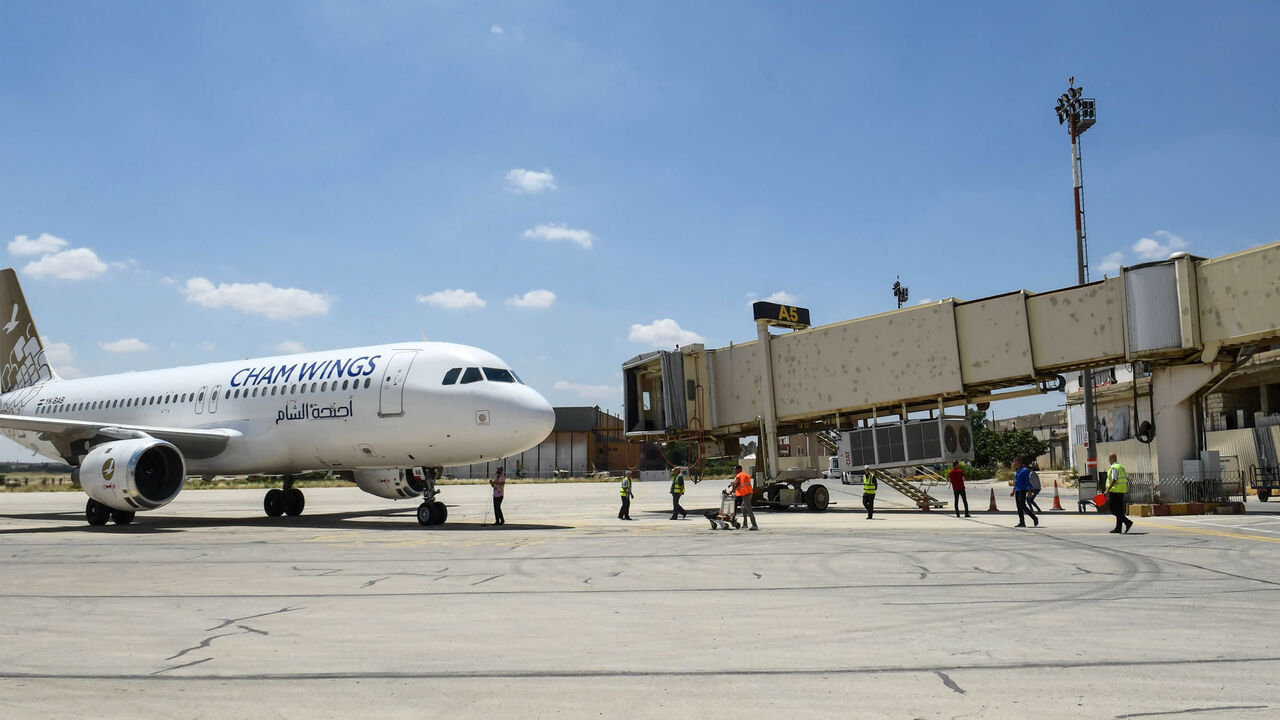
<point>1238,418</point>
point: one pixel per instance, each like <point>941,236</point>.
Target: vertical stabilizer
<point>24,363</point>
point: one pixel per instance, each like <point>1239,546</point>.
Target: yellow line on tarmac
<point>1219,533</point>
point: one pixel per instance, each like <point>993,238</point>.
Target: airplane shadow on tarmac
<point>154,523</point>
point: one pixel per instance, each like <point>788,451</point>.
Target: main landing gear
<point>431,511</point>
<point>288,500</point>
<point>98,514</point>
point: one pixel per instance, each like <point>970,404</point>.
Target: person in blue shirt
<point>1021,486</point>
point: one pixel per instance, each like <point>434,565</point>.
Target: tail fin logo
<point>23,363</point>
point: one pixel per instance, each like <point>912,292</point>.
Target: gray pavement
<point>207,608</point>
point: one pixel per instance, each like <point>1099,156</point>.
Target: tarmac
<point>208,609</point>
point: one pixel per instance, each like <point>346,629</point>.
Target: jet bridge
<point>1189,318</point>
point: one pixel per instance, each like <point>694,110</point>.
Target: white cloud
<point>256,298</point>
<point>452,299</point>
<point>663,333</point>
<point>535,299</point>
<point>60,358</point>
<point>290,347</point>
<point>125,345</point>
<point>1161,249</point>
<point>589,392</point>
<point>1110,264</point>
<point>76,264</point>
<point>925,301</point>
<point>43,245</point>
<point>782,297</point>
<point>206,346</point>
<point>560,231</point>
<point>530,182</point>
<point>495,29</point>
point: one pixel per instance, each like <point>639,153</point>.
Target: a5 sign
<point>788,316</point>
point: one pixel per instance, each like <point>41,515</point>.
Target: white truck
<point>835,471</point>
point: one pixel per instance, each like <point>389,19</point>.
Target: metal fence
<point>1224,486</point>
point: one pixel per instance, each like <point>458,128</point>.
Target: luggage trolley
<point>726,515</point>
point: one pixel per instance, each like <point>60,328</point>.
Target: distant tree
<point>679,453</point>
<point>1022,444</point>
<point>991,447</point>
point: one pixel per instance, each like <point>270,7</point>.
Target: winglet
<point>22,359</point>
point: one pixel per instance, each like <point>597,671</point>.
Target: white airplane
<point>386,417</point>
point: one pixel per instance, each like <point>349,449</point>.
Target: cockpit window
<point>471,375</point>
<point>451,377</point>
<point>518,378</point>
<point>499,375</point>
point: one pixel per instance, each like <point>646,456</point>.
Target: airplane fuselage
<point>380,406</point>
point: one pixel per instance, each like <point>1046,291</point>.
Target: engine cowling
<point>391,483</point>
<point>135,474</point>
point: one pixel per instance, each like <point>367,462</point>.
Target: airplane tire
<point>96,513</point>
<point>440,512</point>
<point>122,517</point>
<point>294,501</point>
<point>425,514</point>
<point>273,502</point>
<point>1264,495</point>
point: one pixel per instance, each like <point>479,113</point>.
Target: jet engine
<point>134,474</point>
<point>392,483</point>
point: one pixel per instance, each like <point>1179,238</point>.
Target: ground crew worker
<point>1022,486</point>
<point>1117,486</point>
<point>956,476</point>
<point>624,513</point>
<point>677,489</point>
<point>869,492</point>
<point>742,490</point>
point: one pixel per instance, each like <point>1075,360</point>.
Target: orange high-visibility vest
<point>742,484</point>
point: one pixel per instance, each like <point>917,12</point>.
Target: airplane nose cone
<point>536,416</point>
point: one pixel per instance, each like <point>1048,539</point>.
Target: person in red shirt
<point>956,476</point>
<point>742,488</point>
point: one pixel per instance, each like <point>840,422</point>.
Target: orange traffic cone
<point>924,502</point>
<point>993,507</point>
<point>1057,504</point>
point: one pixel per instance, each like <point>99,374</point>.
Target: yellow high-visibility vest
<point>868,484</point>
<point>1121,484</point>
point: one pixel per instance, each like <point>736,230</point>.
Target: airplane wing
<point>193,443</point>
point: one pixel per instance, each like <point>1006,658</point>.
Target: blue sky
<point>190,182</point>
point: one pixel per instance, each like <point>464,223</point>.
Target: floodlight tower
<point>1078,114</point>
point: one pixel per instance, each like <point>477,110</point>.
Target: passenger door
<point>391,399</point>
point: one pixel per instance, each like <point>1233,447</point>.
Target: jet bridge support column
<point>1173,392</point>
<point>770,409</point>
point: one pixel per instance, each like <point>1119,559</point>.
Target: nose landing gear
<point>431,511</point>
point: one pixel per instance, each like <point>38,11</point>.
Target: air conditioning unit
<point>914,442</point>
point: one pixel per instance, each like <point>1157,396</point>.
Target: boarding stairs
<point>913,483</point>
<point>829,439</point>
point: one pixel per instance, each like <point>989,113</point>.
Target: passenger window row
<point>472,374</point>
<point>299,388</point>
<point>183,398</point>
